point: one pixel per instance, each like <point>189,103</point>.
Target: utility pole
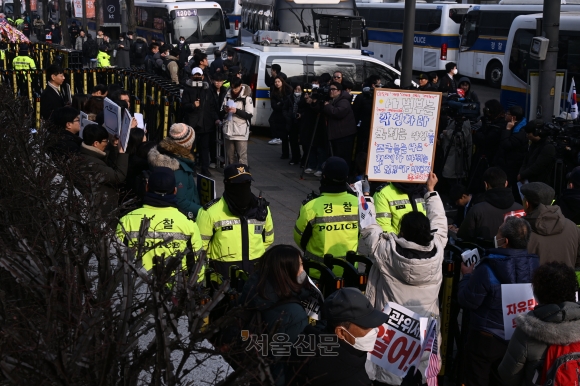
<point>131,16</point>
<point>123,16</point>
<point>551,29</point>
<point>17,9</point>
<point>408,44</point>
<point>85,24</point>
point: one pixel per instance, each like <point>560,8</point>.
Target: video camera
<point>457,106</point>
<point>320,94</point>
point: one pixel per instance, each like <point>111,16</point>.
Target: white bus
<point>436,32</point>
<point>233,11</point>
<point>517,55</point>
<point>484,32</point>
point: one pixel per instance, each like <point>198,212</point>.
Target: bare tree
<point>63,23</point>
<point>131,15</point>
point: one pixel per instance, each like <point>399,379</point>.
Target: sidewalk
<point>279,183</point>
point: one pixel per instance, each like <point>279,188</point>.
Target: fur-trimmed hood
<point>552,323</point>
<point>164,155</point>
<point>245,92</point>
<point>141,38</point>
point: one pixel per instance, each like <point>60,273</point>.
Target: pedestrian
<point>150,61</point>
<point>56,94</point>
<point>340,121</point>
<point>39,28</point>
<point>73,32</point>
<point>174,152</point>
<point>23,61</point>
<point>540,159</point>
<point>554,322</point>
<point>554,237</point>
<point>352,321</point>
<point>90,49</point>
<point>123,52</point>
<point>217,64</point>
<point>448,84</point>
<point>100,37</point>
<point>66,140</point>
<point>248,229</point>
<point>407,268</point>
<point>363,111</point>
<point>424,82</point>
<point>469,94</point>
<point>293,123</point>
<point>457,145</point>
<point>236,113</point>
<point>103,58</point>
<point>569,200</point>
<point>139,50</point>
<point>280,91</point>
<point>480,292</point>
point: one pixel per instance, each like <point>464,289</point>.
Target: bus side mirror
<point>226,21</point>
<point>364,37</point>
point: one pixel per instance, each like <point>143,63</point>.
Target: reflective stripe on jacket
<point>165,224</point>
<point>391,205</point>
<point>23,63</point>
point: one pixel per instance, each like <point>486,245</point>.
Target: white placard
<point>515,299</point>
<point>85,123</point>
<point>399,344</point>
<point>125,130</point>
<point>313,303</point>
<point>140,121</point>
<point>470,257</point>
<point>112,114</point>
<point>78,6</point>
<point>403,135</point>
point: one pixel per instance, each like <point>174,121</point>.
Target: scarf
<point>160,201</point>
<point>523,123</point>
<point>328,186</point>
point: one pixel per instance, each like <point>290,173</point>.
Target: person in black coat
<point>201,114</point>
<point>217,64</point>
<point>569,200</point>
<point>447,84</point>
<point>539,162</point>
<point>350,317</point>
<point>56,94</point>
<point>363,111</point>
<point>280,91</point>
<point>67,140</point>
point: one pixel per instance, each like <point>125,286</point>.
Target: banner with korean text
<point>90,8</point>
<point>403,135</point>
<point>515,299</point>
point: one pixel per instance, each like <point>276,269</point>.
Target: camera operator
<point>340,122</point>
<point>541,157</point>
<point>569,200</point>
<point>457,144</point>
<point>465,85</point>
<point>513,146</point>
<point>363,111</point>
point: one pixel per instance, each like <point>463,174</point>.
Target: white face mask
<point>297,94</point>
<point>183,41</point>
<point>300,279</point>
<point>364,343</point>
<point>455,71</point>
<point>495,240</point>
<point>315,86</point>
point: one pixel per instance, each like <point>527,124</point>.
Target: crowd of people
<point>326,131</point>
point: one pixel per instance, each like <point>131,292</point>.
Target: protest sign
<point>515,213</point>
<point>400,340</point>
<point>313,302</point>
<point>403,135</point>
<point>84,122</point>
<point>515,299</point>
<point>205,188</point>
<point>470,257</point>
<point>125,130</point>
<point>112,113</point>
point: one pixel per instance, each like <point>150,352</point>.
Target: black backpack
<point>90,49</point>
<point>165,68</point>
<point>140,48</point>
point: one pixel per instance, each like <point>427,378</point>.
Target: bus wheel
<point>494,74</point>
<point>399,60</point>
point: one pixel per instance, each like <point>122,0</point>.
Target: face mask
<point>364,343</point>
<point>455,71</point>
<point>315,86</point>
<point>300,279</point>
<point>495,240</point>
<point>297,94</point>
<point>182,41</point>
<point>121,40</point>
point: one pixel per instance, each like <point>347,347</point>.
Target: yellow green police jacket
<point>23,63</point>
<point>165,224</point>
<point>228,238</point>
<point>391,205</point>
<point>328,224</point>
<point>103,59</point>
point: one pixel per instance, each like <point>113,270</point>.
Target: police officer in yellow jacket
<point>394,199</point>
<point>23,61</point>
<point>103,58</point>
<point>329,224</point>
<point>165,222</point>
<point>237,228</point>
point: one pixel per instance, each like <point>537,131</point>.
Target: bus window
<point>351,71</point>
<point>387,76</point>
<point>520,61</point>
<point>210,21</point>
<point>470,30</point>
<point>247,63</point>
<point>427,20</point>
<point>569,54</point>
<point>496,23</point>
<point>293,68</point>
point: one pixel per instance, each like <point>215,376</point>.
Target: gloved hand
<point>366,188</point>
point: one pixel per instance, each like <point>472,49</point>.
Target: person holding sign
<point>553,323</point>
<point>407,266</point>
<point>480,292</point>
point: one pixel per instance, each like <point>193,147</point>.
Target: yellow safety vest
<point>230,239</point>
<point>23,63</point>
<point>165,224</point>
<point>391,205</point>
<point>103,59</point>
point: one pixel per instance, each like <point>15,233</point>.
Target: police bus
<point>484,32</point>
<point>290,16</point>
<point>436,39</point>
<point>233,11</point>
<point>514,85</point>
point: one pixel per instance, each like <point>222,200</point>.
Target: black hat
<point>350,305</point>
<point>161,181</point>
<point>424,76</point>
<point>574,177</point>
<point>219,77</point>
<point>538,193</point>
<point>237,173</point>
<point>335,169</point>
<point>234,69</point>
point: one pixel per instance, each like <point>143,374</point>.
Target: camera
<point>456,106</point>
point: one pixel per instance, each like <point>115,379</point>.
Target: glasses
<point>333,89</point>
<point>337,77</point>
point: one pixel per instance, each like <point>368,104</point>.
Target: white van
<point>300,64</point>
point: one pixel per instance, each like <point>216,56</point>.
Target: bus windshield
<point>199,25</point>
<point>227,5</point>
<point>469,31</point>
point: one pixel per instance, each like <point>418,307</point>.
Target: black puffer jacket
<point>340,117</point>
<point>546,325</point>
<point>569,203</point>
<point>201,118</point>
<point>486,217</point>
<point>539,162</point>
<point>511,151</point>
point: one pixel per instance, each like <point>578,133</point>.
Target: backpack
<point>165,68</point>
<point>140,48</point>
<point>90,49</point>
<point>561,365</point>
<point>150,66</point>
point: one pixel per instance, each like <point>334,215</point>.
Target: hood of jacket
<point>417,264</point>
<point>501,198</point>
<point>141,38</point>
<point>92,151</point>
<point>464,79</point>
<point>508,264</point>
<point>245,92</point>
<point>164,155</point>
<point>547,220</point>
<point>552,323</point>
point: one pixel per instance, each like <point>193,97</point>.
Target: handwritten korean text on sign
<point>515,299</point>
<point>403,135</point>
